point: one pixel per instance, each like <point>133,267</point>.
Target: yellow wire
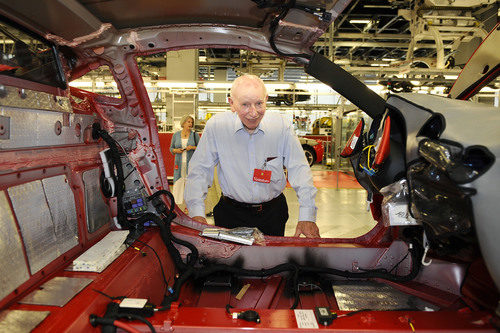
<point>369,147</point>
<point>368,158</point>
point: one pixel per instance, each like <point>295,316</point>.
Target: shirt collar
<point>238,125</point>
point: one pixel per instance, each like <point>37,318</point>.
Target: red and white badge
<point>262,176</point>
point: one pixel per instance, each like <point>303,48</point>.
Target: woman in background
<point>183,145</point>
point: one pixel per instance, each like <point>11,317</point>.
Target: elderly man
<point>250,148</point>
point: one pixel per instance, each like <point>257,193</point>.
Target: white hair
<point>245,79</point>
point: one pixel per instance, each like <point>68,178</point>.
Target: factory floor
<point>342,206</point>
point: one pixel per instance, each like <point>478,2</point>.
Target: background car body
<point>313,149</point>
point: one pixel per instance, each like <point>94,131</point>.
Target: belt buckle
<point>258,208</point>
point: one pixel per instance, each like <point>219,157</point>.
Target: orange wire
<point>125,326</point>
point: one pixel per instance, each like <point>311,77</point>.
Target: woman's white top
<point>184,157</point>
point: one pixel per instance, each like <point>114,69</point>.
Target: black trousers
<point>270,218</point>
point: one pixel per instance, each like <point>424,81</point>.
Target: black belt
<point>258,206</point>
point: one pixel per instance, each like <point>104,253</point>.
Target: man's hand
<point>190,148</point>
<point>307,228</point>
<point>200,219</point>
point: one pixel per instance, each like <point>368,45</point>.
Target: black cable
<point>129,173</point>
<point>176,289</point>
<point>399,262</point>
<point>159,260</point>
<point>348,314</point>
<point>295,282</point>
<point>166,236</point>
<point>248,315</point>
<point>416,263</point>
<point>169,195</point>
<point>112,314</point>
<point>187,270</point>
<point>272,28</point>
<point>170,216</point>
<point>110,297</point>
<point>139,318</point>
<point>115,162</point>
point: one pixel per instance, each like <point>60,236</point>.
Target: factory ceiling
<point>373,39</point>
<point>378,39</point>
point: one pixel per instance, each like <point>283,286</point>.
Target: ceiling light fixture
<point>217,85</point>
<point>276,86</point>
<point>79,84</point>
<point>360,21</point>
<point>173,84</point>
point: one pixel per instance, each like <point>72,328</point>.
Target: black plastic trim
<point>432,118</point>
<point>409,102</point>
<point>346,85</point>
<point>479,84</point>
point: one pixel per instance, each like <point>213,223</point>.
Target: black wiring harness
<point>189,269</point>
<point>284,9</point>
<point>274,25</point>
<point>116,164</point>
<point>113,314</point>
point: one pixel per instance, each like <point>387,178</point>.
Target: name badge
<point>262,176</point>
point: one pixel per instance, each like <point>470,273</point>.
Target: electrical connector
<point>136,306</point>
<point>249,315</point>
<point>324,315</point>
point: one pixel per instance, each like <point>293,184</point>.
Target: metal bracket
<point>426,248</point>
<point>369,200</point>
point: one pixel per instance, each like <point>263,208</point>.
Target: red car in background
<point>313,149</point>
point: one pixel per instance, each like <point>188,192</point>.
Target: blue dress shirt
<point>227,144</point>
